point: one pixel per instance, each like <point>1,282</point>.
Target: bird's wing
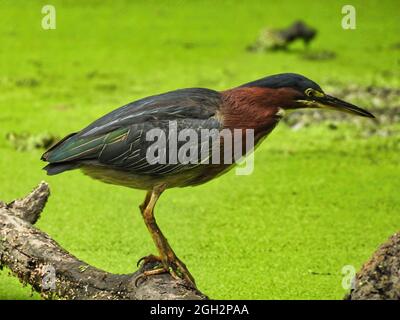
<point>119,139</point>
<point>140,152</point>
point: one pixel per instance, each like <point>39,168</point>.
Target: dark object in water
<point>279,39</point>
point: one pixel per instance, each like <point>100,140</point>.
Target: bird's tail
<point>56,168</point>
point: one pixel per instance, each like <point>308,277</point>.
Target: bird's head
<point>294,91</point>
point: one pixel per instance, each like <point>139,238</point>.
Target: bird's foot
<point>173,265</point>
<point>149,259</point>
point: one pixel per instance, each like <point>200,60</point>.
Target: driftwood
<point>38,260</point>
<point>379,278</point>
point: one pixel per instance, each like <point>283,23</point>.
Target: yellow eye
<point>309,92</point>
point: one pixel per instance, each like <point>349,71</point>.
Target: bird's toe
<point>148,273</point>
<point>176,268</point>
<point>151,258</point>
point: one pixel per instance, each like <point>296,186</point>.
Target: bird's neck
<point>252,108</point>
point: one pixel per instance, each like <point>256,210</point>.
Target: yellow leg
<point>168,257</point>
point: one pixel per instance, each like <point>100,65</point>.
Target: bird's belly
<point>121,177</point>
<point>194,176</point>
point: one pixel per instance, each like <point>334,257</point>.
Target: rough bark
<point>38,260</point>
<point>379,278</point>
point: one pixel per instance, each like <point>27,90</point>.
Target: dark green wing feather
<point>119,138</point>
<point>77,147</point>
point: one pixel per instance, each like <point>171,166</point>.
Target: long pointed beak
<point>340,105</point>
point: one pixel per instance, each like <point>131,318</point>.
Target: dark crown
<point>288,80</point>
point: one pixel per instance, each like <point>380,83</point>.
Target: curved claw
<point>139,261</point>
<point>147,259</point>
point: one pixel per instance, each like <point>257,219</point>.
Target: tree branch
<point>38,260</point>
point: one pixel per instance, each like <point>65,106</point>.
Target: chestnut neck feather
<point>254,107</point>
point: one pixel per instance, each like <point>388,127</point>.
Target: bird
<point>115,148</point>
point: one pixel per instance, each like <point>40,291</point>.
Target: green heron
<point>114,148</point>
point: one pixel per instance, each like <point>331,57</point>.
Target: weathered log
<point>379,278</point>
<point>38,260</point>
